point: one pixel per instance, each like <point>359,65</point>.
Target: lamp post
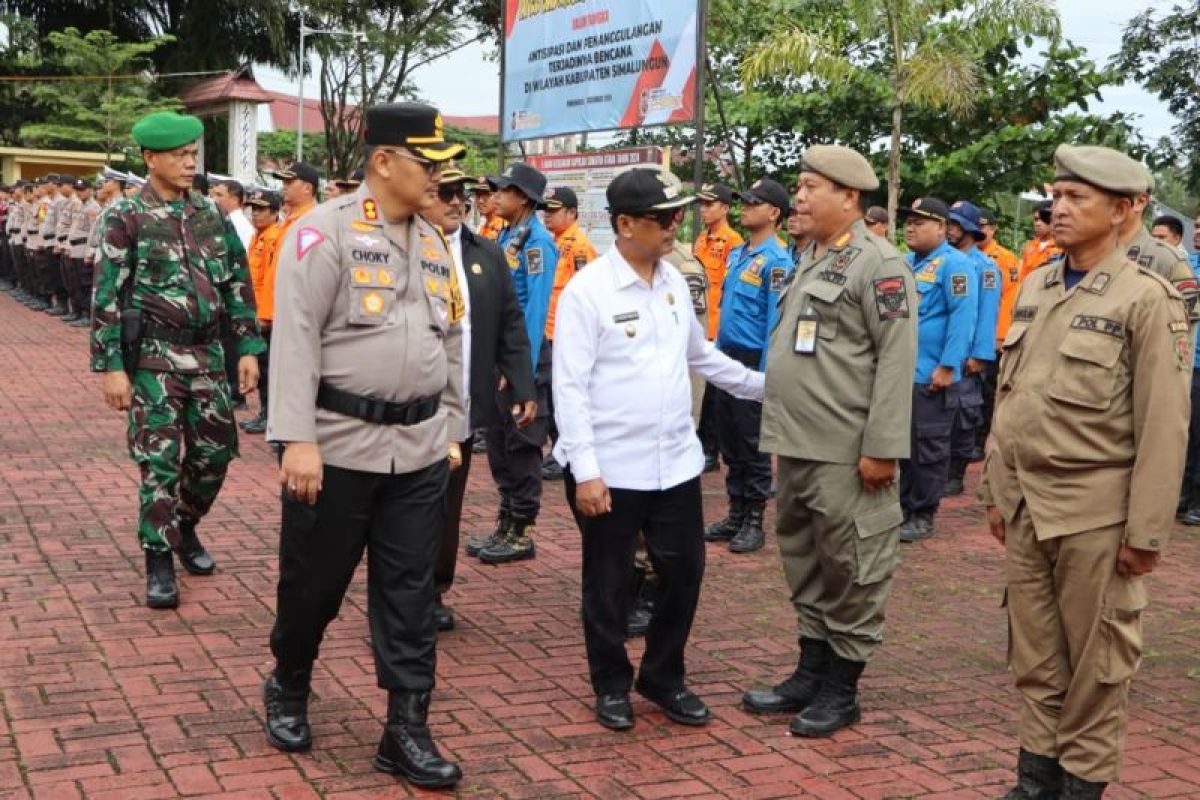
<point>304,33</point>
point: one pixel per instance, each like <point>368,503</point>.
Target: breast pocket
<point>821,298</point>
<point>1011,352</point>
<point>372,295</point>
<point>216,258</point>
<point>157,265</point>
<point>1087,370</point>
<point>747,298</point>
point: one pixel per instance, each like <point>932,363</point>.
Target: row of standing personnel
<point>369,438</point>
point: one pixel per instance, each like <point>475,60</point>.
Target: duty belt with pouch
<point>180,336</point>
<point>373,410</point>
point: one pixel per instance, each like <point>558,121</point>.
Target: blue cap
<point>968,217</point>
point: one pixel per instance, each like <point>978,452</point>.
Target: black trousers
<point>264,367</point>
<point>397,519</point>
<point>707,429</point>
<point>456,490</point>
<point>923,475</point>
<point>6,260</point>
<point>1191,472</point>
<point>738,423</point>
<point>53,274</point>
<point>18,259</point>
<point>515,455</point>
<point>968,419</point>
<point>673,523</point>
<point>990,377</point>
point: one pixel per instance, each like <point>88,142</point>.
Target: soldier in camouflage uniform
<point>170,254</point>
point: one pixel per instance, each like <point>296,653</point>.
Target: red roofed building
<point>282,110</point>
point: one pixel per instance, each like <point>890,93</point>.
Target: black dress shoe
<point>680,705</point>
<point>287,714</point>
<point>161,590</point>
<point>614,711</point>
<point>192,555</point>
<point>443,617</point>
<point>407,747</point>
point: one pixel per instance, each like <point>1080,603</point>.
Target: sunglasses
<point>664,218</point>
<point>448,191</point>
<point>430,167</point>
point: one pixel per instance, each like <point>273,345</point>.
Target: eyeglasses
<point>430,167</point>
<point>664,218</point>
<point>448,191</point>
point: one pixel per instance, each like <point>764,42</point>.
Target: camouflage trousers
<point>182,436</point>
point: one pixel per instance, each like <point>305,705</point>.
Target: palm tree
<point>928,49</point>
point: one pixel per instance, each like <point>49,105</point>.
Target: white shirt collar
<point>625,274</point>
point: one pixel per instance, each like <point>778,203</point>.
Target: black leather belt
<point>380,412</point>
<point>78,241</point>
<point>181,336</point>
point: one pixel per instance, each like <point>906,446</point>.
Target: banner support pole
<point>698,147</point>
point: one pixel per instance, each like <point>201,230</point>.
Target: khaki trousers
<point>840,546</point>
<point>1075,642</point>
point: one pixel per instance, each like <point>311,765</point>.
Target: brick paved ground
<point>102,697</point>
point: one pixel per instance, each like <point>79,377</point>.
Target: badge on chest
<point>807,326</point>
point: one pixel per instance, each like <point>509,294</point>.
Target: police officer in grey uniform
<point>365,386</point>
<point>837,413</point>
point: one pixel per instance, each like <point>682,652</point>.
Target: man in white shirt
<point>229,195</point>
<point>626,338</point>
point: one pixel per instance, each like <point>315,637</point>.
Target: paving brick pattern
<point>103,698</point>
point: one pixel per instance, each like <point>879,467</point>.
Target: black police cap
<point>561,197</point>
<point>414,125</point>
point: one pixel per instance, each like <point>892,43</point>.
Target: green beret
<point>840,165</point>
<point>166,130</point>
<point>1102,167</point>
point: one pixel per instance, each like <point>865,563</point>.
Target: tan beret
<point>840,165</point>
<point>1102,167</point>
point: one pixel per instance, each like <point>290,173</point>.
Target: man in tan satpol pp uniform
<point>837,414</point>
<point>1083,472</point>
<point>366,384</point>
<point>1167,260</point>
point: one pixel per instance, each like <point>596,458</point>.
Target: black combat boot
<point>1038,778</point>
<point>516,546</point>
<point>794,694</point>
<point>955,482</point>
<point>1076,788</point>
<point>477,544</point>
<point>192,555</point>
<point>750,536</point>
<point>161,590</point>
<point>918,527</point>
<point>727,528</point>
<point>836,704</point>
<point>407,747</point>
<point>286,703</point>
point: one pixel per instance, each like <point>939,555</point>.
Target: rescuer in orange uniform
<point>492,223</point>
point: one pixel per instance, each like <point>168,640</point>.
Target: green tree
<point>1161,50</point>
<point>279,147</point>
<point>375,65</point>
<point>925,53</point>
<point>112,92</point>
<point>20,55</point>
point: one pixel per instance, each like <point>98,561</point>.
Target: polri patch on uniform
<point>778,278</point>
<point>829,276</point>
<point>958,285</point>
<point>1087,322</point>
<point>628,316</point>
<point>989,279</point>
<point>370,209</point>
<point>533,261</point>
<point>845,259</point>
<point>891,301</point>
<point>307,238</point>
<point>1025,313</point>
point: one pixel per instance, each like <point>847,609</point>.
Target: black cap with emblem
<point>639,190</point>
<point>717,192</point>
<point>261,198</point>
<point>770,192</point>
<point>561,197</point>
<point>522,177</point>
<point>415,125</point>
<point>927,207</point>
<point>300,171</point>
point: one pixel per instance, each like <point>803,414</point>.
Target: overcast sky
<point>465,82</point>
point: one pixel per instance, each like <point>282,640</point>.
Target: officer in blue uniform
<point>948,289</point>
<point>1189,498</point>
<point>757,273</point>
<point>515,453</point>
<point>964,231</point>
